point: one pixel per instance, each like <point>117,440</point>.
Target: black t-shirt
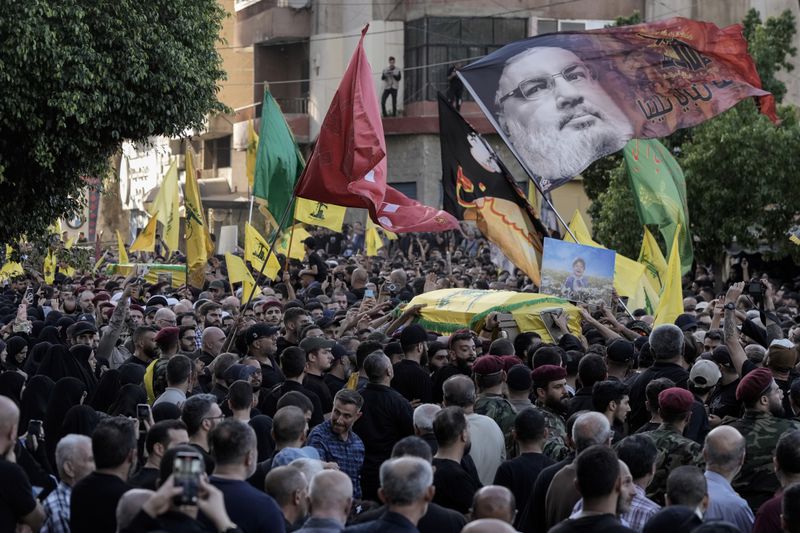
<point>93,505</point>
<point>322,268</point>
<point>604,523</point>
<point>281,344</point>
<point>412,381</point>
<point>271,375</point>
<point>146,478</point>
<point>317,385</point>
<point>16,496</point>
<point>210,463</point>
<point>519,475</point>
<point>454,486</point>
<point>722,401</point>
<point>334,383</point>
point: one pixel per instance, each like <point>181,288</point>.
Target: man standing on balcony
<point>391,81</point>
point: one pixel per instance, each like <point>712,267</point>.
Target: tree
<point>80,76</point>
<point>739,167</point>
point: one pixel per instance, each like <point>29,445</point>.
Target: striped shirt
<point>348,454</point>
<point>56,508</point>
<point>642,509</point>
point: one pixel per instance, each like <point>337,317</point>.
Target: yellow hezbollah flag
<point>645,297</point>
<point>297,234</point>
<point>627,272</point>
<point>671,304</point>
<point>146,241</point>
<point>238,273</point>
<point>255,250</point>
<point>320,214</point>
<point>198,241</point>
<point>50,267</point>
<point>166,207</point>
<point>123,255</point>
<point>372,239</point>
<point>252,153</point>
<point>653,260</point>
<point>10,268</point>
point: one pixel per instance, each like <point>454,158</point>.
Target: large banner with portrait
<point>563,100</point>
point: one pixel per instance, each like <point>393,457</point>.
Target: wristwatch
<point>730,306</point>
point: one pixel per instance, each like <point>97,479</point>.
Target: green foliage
<point>77,77</point>
<point>739,167</point>
<point>633,18</point>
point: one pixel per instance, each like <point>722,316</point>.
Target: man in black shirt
<point>666,343</point>
<point>261,344</point>
<point>591,369</point>
<point>201,414</point>
<point>315,263</point>
<point>17,504</point>
<point>336,377</point>
<point>294,320</point>
<point>293,361</point>
<point>161,437</point>
<point>145,347</point>
<point>318,361</point>
<point>454,486</point>
<point>600,484</point>
<point>520,473</point>
<point>94,498</point>
<point>410,379</point>
<point>461,353</point>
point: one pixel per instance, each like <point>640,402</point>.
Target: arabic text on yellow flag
<point>653,260</point>
<point>297,249</point>
<point>671,303</point>
<point>146,240</point>
<point>166,207</point>
<point>50,267</point>
<point>238,273</point>
<point>320,214</point>
<point>627,272</point>
<point>372,239</point>
<point>198,241</point>
<point>255,250</point>
<point>645,297</point>
<point>122,254</point>
<point>252,153</point>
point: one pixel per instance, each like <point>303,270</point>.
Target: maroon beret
<point>675,400</point>
<point>167,335</point>
<point>548,373</point>
<point>487,364</point>
<point>754,385</point>
<point>101,297</point>
<point>509,361</point>
<point>272,303</point>
<point>136,307</point>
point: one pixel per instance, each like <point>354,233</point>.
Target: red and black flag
<point>477,186</point>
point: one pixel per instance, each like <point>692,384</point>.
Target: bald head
<point>9,418</point>
<point>359,277</point>
<point>213,339</point>
<point>164,317</point>
<point>459,391</point>
<point>331,494</point>
<point>494,501</point>
<point>724,450</point>
<point>129,506</point>
<point>591,429</point>
<point>488,525</point>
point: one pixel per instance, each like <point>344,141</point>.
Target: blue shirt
<point>348,454</point>
<point>726,504</point>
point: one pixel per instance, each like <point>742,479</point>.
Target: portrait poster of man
<point>562,100</point>
<point>578,272</point>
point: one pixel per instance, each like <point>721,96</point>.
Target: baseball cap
<point>310,344</point>
<point>705,374</point>
<point>259,331</point>
<point>686,322</point>
<point>620,351</point>
<point>86,317</point>
<point>287,455</point>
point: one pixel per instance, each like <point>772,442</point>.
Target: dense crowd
<point>321,405</point>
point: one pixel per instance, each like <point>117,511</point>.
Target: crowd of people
<point>322,405</point>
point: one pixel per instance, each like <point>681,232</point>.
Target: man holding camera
<point>391,81</point>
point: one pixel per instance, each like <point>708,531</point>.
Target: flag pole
<point>549,203</point>
<point>289,249</point>
<point>252,198</point>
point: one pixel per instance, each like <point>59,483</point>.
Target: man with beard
<point>294,320</point>
<point>410,379</point>
<point>145,347</point>
<point>461,354</point>
<point>211,315</point>
<point>335,441</point>
<point>261,340</point>
<point>318,361</point>
<point>556,115</point>
<point>762,427</point>
<point>270,312</point>
<point>454,484</point>
<point>550,390</point>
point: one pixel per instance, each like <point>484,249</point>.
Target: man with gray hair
<point>289,487</point>
<point>724,454</point>
<point>74,461</point>
<point>666,344</point>
<point>330,498</point>
<point>386,417</point>
<point>406,488</point>
<point>129,506</point>
<point>590,429</point>
<point>423,424</point>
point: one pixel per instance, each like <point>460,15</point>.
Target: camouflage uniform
<point>501,411</point>
<point>756,482</point>
<point>674,450</point>
<point>556,445</point>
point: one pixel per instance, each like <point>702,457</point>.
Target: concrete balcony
<point>263,21</point>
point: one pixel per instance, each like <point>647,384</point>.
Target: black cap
<point>79,328</point>
<point>86,317</point>
<point>259,331</point>
<point>413,334</point>
<point>620,351</point>
<point>157,300</point>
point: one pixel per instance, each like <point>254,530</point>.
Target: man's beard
<point>556,154</point>
<point>776,409</point>
<point>463,366</point>
<point>559,406</point>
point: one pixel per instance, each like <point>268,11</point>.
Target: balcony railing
<point>294,105</point>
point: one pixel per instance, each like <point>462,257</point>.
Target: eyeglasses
<point>220,417</point>
<point>534,88</point>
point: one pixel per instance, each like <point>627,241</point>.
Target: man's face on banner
<point>556,114</point>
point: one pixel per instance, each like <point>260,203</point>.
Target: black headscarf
<point>35,313</point>
<point>34,400</point>
<point>106,391</point>
<point>129,396</point>
<point>80,419</point>
<point>15,345</point>
<point>131,373</point>
<point>11,384</point>
<point>36,327</point>
<point>81,355</point>
<point>67,393</point>
<point>52,317</point>
<point>35,356</point>
<point>50,334</point>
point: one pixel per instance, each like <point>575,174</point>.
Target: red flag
<point>348,165</point>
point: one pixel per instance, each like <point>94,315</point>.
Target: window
<point>409,188</point>
<point>217,153</point>
<point>442,41</point>
<point>553,25</point>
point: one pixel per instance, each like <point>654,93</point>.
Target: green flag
<point>659,190</point>
<point>279,162</point>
